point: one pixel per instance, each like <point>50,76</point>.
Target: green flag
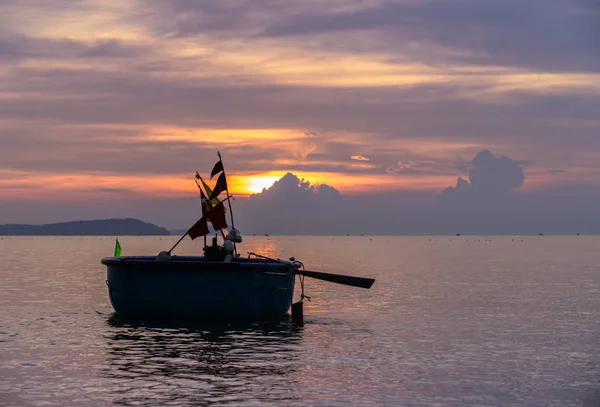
<point>117,248</point>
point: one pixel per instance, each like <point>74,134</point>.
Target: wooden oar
<point>339,278</point>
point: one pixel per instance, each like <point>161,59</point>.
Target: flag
<point>117,248</point>
<point>211,202</point>
<point>207,188</point>
<point>216,169</point>
<point>209,192</point>
<point>219,187</point>
<point>216,216</point>
<point>200,228</point>
<point>206,205</point>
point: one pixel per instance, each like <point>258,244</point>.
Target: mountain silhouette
<point>101,227</point>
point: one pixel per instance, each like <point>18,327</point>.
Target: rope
<point>300,277</point>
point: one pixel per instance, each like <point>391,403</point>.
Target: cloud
<point>19,47</point>
<point>491,181</point>
<point>495,175</point>
<point>359,158</point>
<point>403,167</point>
<point>292,190</point>
<point>495,32</point>
<point>293,206</point>
<point>487,205</point>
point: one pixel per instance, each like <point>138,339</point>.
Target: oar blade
<point>339,278</point>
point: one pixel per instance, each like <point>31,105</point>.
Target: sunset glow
<point>114,101</point>
<point>257,184</point>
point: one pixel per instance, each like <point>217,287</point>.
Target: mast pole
<point>229,203</point>
<point>202,207</point>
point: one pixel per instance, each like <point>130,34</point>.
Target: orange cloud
<point>21,185</point>
<point>222,136</point>
<point>359,158</point>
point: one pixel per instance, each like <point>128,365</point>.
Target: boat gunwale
<point>197,262</point>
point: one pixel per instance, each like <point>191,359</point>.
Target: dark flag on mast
<point>205,203</point>
<point>219,187</point>
<point>200,228</point>
<point>216,216</point>
<point>216,169</point>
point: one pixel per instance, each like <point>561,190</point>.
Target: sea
<point>450,321</point>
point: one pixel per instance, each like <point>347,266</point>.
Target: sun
<point>255,185</point>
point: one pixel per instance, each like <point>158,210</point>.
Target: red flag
<point>200,228</point>
<point>219,187</point>
<point>216,216</point>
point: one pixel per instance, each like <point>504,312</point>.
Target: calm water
<point>457,321</point>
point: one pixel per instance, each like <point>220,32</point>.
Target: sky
<point>437,114</point>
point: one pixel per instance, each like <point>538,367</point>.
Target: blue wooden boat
<point>220,284</point>
<point>192,287</point>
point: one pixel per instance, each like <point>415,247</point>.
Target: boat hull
<point>189,287</point>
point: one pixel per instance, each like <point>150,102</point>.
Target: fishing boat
<point>221,283</point>
<point>191,286</point>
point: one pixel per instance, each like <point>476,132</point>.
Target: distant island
<point>103,227</point>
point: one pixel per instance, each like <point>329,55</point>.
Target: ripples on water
<point>201,365</point>
<point>449,322</point>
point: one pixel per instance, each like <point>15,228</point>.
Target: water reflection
<point>202,364</point>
